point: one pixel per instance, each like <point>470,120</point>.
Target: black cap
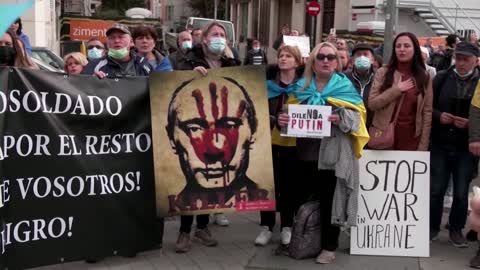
<point>467,48</point>
<point>362,46</point>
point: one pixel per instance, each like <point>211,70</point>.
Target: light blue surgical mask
<point>217,45</point>
<point>95,53</point>
<point>256,49</point>
<point>362,63</point>
<point>186,45</point>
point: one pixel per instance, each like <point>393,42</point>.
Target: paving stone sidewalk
<point>236,251</point>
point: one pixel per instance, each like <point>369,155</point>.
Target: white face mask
<point>186,45</point>
<point>362,63</point>
<point>464,75</point>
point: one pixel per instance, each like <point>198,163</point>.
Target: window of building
<point>170,13</point>
<point>158,11</point>
<point>244,21</point>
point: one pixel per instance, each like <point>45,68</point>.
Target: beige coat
<point>383,106</point>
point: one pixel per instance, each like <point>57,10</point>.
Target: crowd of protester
<point>424,91</point>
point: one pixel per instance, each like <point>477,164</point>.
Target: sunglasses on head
<point>95,46</point>
<point>330,57</point>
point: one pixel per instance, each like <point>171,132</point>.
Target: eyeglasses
<point>330,57</point>
<point>95,46</point>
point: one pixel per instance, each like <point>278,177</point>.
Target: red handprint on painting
<point>215,123</point>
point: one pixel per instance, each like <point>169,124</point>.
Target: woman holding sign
<point>288,69</point>
<point>323,160</point>
<point>211,52</point>
<point>401,99</point>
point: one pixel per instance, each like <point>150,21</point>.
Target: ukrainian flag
<point>476,96</point>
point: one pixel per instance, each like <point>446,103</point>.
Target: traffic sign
<point>313,8</point>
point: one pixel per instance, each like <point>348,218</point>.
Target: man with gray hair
<point>120,60</point>
<point>184,44</point>
<point>453,90</point>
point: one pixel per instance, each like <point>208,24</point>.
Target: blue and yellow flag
<point>338,92</point>
<point>10,12</point>
<point>476,96</point>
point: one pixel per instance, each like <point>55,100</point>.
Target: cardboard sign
<point>211,141</point>
<point>393,204</point>
<point>309,121</point>
<point>303,43</point>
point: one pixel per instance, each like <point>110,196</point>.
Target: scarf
<point>274,90</point>
<point>338,87</point>
<point>338,92</point>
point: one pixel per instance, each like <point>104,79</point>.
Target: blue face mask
<point>186,45</point>
<point>95,53</point>
<point>217,45</point>
<point>362,63</point>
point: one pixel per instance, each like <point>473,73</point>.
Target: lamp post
<point>390,29</point>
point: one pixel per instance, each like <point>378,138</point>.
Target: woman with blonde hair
<point>328,168</point>
<point>25,60</point>
<point>289,68</point>
<point>212,52</point>
<point>75,62</point>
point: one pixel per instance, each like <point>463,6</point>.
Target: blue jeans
<point>459,165</point>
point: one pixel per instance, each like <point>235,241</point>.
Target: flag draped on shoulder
<point>338,92</point>
<point>274,90</point>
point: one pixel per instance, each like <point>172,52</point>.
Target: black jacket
<point>137,66</point>
<point>363,90</point>
<point>447,97</point>
<point>196,58</point>
<point>176,58</point>
<point>445,61</point>
<point>278,42</point>
<point>272,72</point>
<point>255,57</point>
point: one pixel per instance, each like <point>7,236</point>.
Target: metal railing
<point>440,10</point>
<point>459,11</point>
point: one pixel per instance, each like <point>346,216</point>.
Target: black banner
<point>76,169</point>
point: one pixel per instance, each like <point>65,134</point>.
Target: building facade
<point>172,13</point>
<point>40,24</point>
<point>262,19</point>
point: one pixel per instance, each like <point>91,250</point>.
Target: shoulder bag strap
<point>398,108</point>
